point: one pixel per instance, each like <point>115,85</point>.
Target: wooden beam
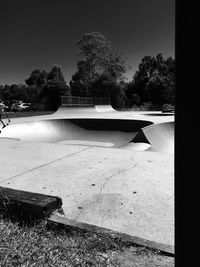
<point>27,204</point>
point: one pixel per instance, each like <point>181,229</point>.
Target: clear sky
<point>39,34</point>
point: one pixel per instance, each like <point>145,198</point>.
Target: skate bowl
<point>115,133</point>
<point>96,132</point>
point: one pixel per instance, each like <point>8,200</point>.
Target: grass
<point>49,245</point>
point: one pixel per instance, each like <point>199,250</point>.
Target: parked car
<point>168,108</point>
<point>20,107</point>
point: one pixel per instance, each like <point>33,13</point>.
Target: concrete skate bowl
<point>84,109</point>
<point>94,132</point>
<point>116,133</point>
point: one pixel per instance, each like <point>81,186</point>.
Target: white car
<point>20,107</point>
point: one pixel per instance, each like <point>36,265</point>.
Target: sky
<point>39,34</point>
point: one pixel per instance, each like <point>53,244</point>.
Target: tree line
<point>100,73</point>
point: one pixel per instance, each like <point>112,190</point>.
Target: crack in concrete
<point>43,165</point>
<point>101,189</point>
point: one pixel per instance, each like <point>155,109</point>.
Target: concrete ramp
<point>94,132</point>
<point>160,136</point>
<point>104,108</point>
<point>84,109</point>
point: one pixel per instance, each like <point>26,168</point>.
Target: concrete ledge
<point>61,219</point>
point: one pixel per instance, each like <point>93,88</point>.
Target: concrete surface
<point>120,189</point>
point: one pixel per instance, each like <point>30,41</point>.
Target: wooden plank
<point>28,204</point>
<point>61,219</point>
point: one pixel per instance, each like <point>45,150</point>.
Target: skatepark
<point>112,169</point>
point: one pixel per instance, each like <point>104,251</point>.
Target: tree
<point>100,70</point>
<point>56,74</point>
<point>80,80</point>
<point>131,91</point>
<point>154,81</point>
<point>160,87</point>
<point>93,49</point>
<point>96,57</point>
<point>115,65</point>
<point>1,90</point>
<point>106,86</point>
<point>54,88</point>
<point>154,90</point>
<point>37,79</point>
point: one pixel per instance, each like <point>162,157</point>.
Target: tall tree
<point>99,68</point>
<point>93,49</point>
<point>54,88</point>
<point>97,56</point>
<point>80,80</point>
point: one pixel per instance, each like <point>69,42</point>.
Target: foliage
<point>106,85</point>
<point>100,72</point>
<point>159,90</point>
<point>18,92</point>
<point>100,69</point>
<point>37,78</point>
<point>96,56</point>
<point>154,81</point>
<point>115,66</point>
<point>93,49</point>
<point>47,87</point>
<point>55,74</point>
<point>54,88</point>
<point>80,80</point>
<point>1,90</point>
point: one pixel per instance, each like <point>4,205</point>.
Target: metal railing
<point>84,101</point>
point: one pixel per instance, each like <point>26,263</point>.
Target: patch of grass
<point>50,245</point>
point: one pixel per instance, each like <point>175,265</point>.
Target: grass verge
<point>49,245</point>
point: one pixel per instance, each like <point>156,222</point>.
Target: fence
<point>84,101</point>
